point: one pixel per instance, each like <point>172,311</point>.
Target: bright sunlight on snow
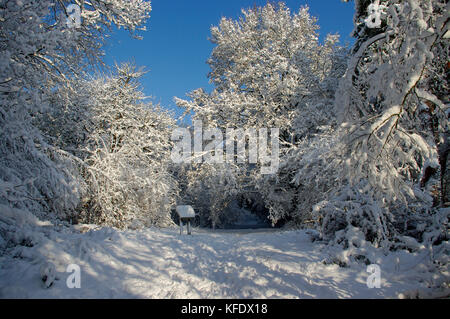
<point>155,263</point>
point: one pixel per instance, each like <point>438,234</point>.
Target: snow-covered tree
<point>40,49</point>
<point>39,53</point>
<point>393,106</point>
<point>306,174</point>
<point>264,67</point>
<point>128,147</point>
<point>211,188</point>
<point>269,69</point>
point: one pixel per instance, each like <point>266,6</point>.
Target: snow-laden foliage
<point>269,70</point>
<point>32,175</point>
<point>39,48</point>
<point>308,162</point>
<point>391,104</point>
<point>210,189</point>
<point>129,155</point>
<point>307,175</point>
<point>39,53</point>
<point>264,66</point>
<point>120,145</point>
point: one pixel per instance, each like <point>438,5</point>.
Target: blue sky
<point>176,46</point>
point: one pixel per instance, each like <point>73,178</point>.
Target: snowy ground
<point>157,263</point>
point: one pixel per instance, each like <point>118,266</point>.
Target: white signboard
<point>185,211</point>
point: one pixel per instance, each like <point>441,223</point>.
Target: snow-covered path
<point>157,263</point>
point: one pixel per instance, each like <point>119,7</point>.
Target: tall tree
<point>269,69</point>
<point>393,107</point>
<point>128,154</point>
<point>39,52</point>
<point>264,67</point>
<point>398,93</point>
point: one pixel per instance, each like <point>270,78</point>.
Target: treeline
<point>363,130</point>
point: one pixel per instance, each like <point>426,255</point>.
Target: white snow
<point>185,211</point>
<point>155,263</point>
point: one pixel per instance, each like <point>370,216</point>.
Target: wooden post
<point>189,227</point>
<point>186,214</point>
